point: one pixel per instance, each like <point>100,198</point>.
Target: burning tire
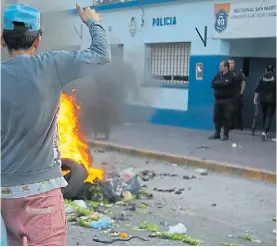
<point>75,178</point>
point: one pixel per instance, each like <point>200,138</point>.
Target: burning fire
<point>72,143</point>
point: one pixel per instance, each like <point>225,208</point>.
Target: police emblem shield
<point>221,18</point>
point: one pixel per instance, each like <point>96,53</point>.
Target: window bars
<point>168,63</point>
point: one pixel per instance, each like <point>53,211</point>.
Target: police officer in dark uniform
<point>240,86</point>
<point>266,91</point>
<point>224,85</point>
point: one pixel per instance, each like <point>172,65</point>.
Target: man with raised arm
<point>31,200</point>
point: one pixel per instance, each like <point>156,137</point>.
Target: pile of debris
<point>115,187</point>
<point>90,208</point>
<point>106,205</point>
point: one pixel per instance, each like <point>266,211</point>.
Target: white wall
<point>162,98</point>
<point>55,5</point>
<point>188,17</point>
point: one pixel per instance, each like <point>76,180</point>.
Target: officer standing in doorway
<point>266,91</point>
<point>240,86</point>
<point>224,85</point>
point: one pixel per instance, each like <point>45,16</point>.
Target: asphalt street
<point>216,209</point>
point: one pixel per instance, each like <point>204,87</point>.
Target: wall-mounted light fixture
<point>133,27</point>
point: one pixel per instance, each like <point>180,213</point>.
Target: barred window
<point>168,63</point>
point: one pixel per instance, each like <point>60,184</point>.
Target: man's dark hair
<point>226,64</point>
<point>269,68</point>
<point>20,38</point>
<point>231,59</point>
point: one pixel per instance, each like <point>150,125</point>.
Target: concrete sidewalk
<point>251,151</point>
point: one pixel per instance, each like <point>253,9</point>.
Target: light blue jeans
<point>4,237</point>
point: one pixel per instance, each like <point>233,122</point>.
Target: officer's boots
<point>215,136</point>
<point>225,135</point>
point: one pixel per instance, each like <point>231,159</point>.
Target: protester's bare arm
<point>257,90</point>
<point>243,85</point>
<point>77,64</point>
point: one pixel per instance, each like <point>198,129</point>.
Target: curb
<point>221,167</point>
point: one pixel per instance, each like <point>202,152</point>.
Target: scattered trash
<point>132,208</point>
<point>173,164</point>
<point>127,196</point>
<point>142,212</point>
<point>127,174</point>
<point>103,223</point>
<point>114,234</point>
<point>189,177</point>
<point>123,184</point>
<point>118,240</point>
<point>203,172</point>
<point>112,188</point>
<point>142,195</point>
<point>234,145</point>
<point>164,223</point>
<point>274,231</point>
<point>120,217</point>
<point>179,192</point>
<point>229,244</point>
<point>230,236</point>
<point>176,237</point>
<point>123,235</point>
<point>168,175</point>
<point>132,185</point>
<point>143,205</point>
<point>94,216</point>
<point>83,212</point>
<point>101,151</point>
<point>69,209</point>
<point>147,175</point>
<point>160,204</point>
<point>164,190</point>
<point>80,203</point>
<point>203,147</point>
<point>250,239</point>
<point>177,229</point>
<point>145,226</point>
<point>214,205</point>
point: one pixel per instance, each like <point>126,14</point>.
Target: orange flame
<point>73,144</point>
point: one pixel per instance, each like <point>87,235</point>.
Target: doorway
<point>253,69</point>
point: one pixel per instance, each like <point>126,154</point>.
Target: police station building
<point>176,46</point>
